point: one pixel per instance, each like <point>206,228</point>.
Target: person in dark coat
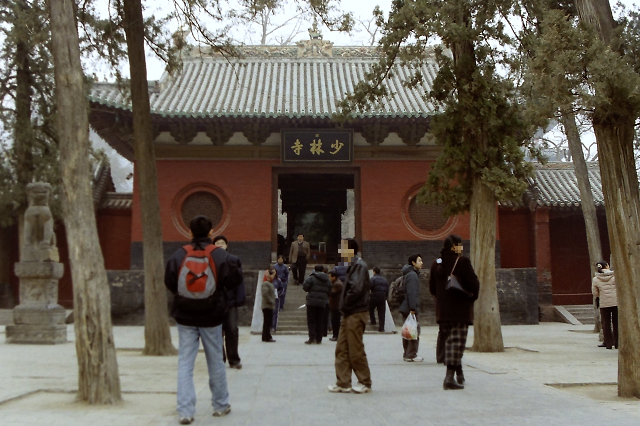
<point>235,299</point>
<point>411,304</point>
<point>379,293</point>
<point>354,305</point>
<point>454,310</point>
<point>318,288</point>
<point>334,304</point>
<point>282,272</point>
<point>341,270</point>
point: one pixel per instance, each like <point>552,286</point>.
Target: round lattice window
<point>427,217</point>
<point>202,203</point>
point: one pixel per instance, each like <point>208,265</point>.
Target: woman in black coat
<point>454,309</point>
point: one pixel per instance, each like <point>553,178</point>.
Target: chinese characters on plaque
<point>317,146</point>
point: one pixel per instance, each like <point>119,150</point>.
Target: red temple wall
<point>570,267</point>
<point>385,185</point>
<point>516,239</point>
<point>246,185</point>
<point>114,232</point>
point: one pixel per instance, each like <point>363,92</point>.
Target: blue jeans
<point>189,338</point>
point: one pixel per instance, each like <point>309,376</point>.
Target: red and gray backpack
<point>197,279</point>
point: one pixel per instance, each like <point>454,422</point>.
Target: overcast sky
<point>361,9</point>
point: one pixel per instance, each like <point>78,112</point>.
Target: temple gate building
<point>251,142</point>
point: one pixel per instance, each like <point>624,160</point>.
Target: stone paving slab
<point>285,384</point>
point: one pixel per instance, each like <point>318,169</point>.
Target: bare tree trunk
<point>614,135</point>
<point>588,206</point>
<point>157,335</point>
<point>98,380</point>
<point>620,186</point>
<point>487,334</point>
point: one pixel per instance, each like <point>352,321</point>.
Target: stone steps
<point>293,320</point>
<point>583,313</point>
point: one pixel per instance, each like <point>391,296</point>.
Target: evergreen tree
<point>29,143</point>
<point>479,123</point>
<point>599,66</point>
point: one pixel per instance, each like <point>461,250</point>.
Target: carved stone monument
<point>38,318</point>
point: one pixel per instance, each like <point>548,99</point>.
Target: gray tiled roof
<point>270,81</point>
<point>556,185</point>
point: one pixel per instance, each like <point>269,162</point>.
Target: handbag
<point>454,286</point>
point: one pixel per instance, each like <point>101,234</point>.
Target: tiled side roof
<point>272,86</point>
<point>117,201</point>
<point>556,185</point>
<point>102,181</point>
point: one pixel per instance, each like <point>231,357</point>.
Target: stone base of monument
<point>39,315</point>
<point>36,334</point>
<point>38,319</point>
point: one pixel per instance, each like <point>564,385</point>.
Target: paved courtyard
<point>551,374</point>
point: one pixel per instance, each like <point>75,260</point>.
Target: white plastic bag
<point>410,328</point>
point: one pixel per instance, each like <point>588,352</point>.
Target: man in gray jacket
<point>299,257</point>
<point>411,304</point>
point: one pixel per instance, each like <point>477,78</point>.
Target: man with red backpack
<point>199,276</point>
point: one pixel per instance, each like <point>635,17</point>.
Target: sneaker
<point>237,366</point>
<point>416,359</point>
<point>186,420</point>
<point>360,388</point>
<point>333,339</point>
<point>222,413</point>
<point>338,389</point>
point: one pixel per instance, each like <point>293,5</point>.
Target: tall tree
<point>26,105</point>
<point>617,105</point>
<point>479,123</point>
<point>98,380</point>
<point>560,102</point>
<point>586,197</point>
<point>157,335</point>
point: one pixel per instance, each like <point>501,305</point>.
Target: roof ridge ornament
<point>315,47</point>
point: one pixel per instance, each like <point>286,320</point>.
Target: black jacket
<point>379,289</point>
<point>356,291</point>
<point>228,277</point>
<point>452,306</point>
<point>237,296</point>
<point>318,287</point>
<point>411,301</point>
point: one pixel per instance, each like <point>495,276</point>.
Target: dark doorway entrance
<point>314,204</point>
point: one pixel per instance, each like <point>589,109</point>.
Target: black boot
<point>459,375</point>
<point>449,382</point>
